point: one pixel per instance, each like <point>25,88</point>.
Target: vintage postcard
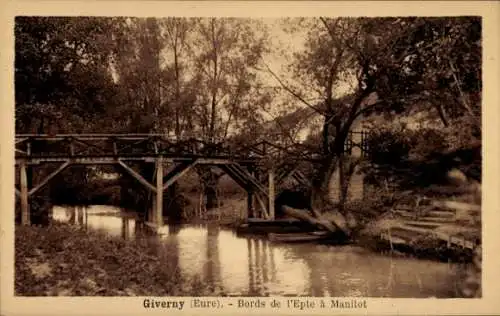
<point>266,158</point>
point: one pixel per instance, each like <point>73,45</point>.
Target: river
<point>257,267</point>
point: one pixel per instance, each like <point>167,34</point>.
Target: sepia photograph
<point>214,162</point>
<point>248,157</point>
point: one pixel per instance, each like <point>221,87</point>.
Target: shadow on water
<point>250,266</point>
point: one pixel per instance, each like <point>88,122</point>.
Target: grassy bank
<point>63,260</point>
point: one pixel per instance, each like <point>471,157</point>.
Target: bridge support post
<point>125,228</point>
<point>271,194</point>
<point>81,211</point>
<point>25,208</point>
<point>158,216</point>
<point>250,210</point>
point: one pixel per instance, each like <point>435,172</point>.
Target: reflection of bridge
<point>257,168</point>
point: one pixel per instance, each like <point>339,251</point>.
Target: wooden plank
<point>137,176</point>
<point>179,174</point>
<point>49,177</point>
<point>442,236</point>
<point>176,169</point>
<point>441,220</point>
<point>20,140</point>
<point>242,183</point>
<point>239,169</point>
<point>58,137</point>
<point>78,161</point>
<point>214,161</point>
<point>455,205</point>
<point>112,159</point>
<point>422,224</point>
<point>90,145</point>
<point>449,214</point>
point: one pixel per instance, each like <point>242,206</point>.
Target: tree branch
<point>289,90</point>
<point>330,31</point>
<point>459,87</point>
<point>275,119</point>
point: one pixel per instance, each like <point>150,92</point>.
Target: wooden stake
<point>125,228</point>
<point>80,215</point>
<point>25,209</point>
<point>250,210</point>
<point>159,192</point>
<point>271,194</point>
<point>137,176</point>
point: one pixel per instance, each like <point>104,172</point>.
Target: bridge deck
<point>257,167</point>
<point>88,148</point>
<point>238,161</point>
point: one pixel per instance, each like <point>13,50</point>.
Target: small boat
<point>300,237</point>
<point>282,226</point>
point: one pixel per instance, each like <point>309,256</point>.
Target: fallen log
<point>331,221</point>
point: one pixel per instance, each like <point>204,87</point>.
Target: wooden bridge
<point>258,168</point>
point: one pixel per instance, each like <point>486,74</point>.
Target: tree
<point>228,95</point>
<point>61,73</point>
<point>378,56</point>
<point>61,83</point>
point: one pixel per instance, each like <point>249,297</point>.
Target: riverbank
<point>444,235</point>
<point>64,260</point>
<point>445,230</point>
<point>67,261</point>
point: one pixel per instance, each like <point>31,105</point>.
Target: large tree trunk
<point>323,208</point>
<point>320,197</point>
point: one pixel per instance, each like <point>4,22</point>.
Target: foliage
<point>61,75</point>
<point>392,66</point>
<point>418,158</point>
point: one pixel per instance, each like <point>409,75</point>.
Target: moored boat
<point>300,237</point>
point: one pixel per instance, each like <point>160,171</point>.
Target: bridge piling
<point>271,194</point>
<point>158,217</point>
<point>250,210</point>
<point>25,208</point>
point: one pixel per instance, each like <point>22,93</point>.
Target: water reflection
<point>235,265</point>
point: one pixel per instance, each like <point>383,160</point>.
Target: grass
<point>63,260</point>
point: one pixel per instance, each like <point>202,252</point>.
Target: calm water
<point>258,267</point>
